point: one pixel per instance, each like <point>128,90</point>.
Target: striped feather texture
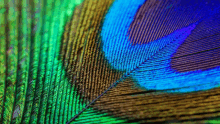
<point>109,61</point>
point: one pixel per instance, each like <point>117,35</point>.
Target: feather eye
<point>150,66</point>
<point>109,61</point>
<point>167,61</point>
<point>142,60</point>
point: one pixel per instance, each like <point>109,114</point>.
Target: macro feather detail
<point>109,61</point>
<point>30,43</point>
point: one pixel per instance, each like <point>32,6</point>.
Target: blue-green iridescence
<point>149,64</point>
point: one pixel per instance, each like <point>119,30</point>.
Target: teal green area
<point>213,121</point>
<point>91,116</point>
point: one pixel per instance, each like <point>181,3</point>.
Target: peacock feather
<point>109,61</point>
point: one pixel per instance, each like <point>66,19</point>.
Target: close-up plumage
<point>109,61</point>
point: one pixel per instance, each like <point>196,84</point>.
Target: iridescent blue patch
<point>149,64</point>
